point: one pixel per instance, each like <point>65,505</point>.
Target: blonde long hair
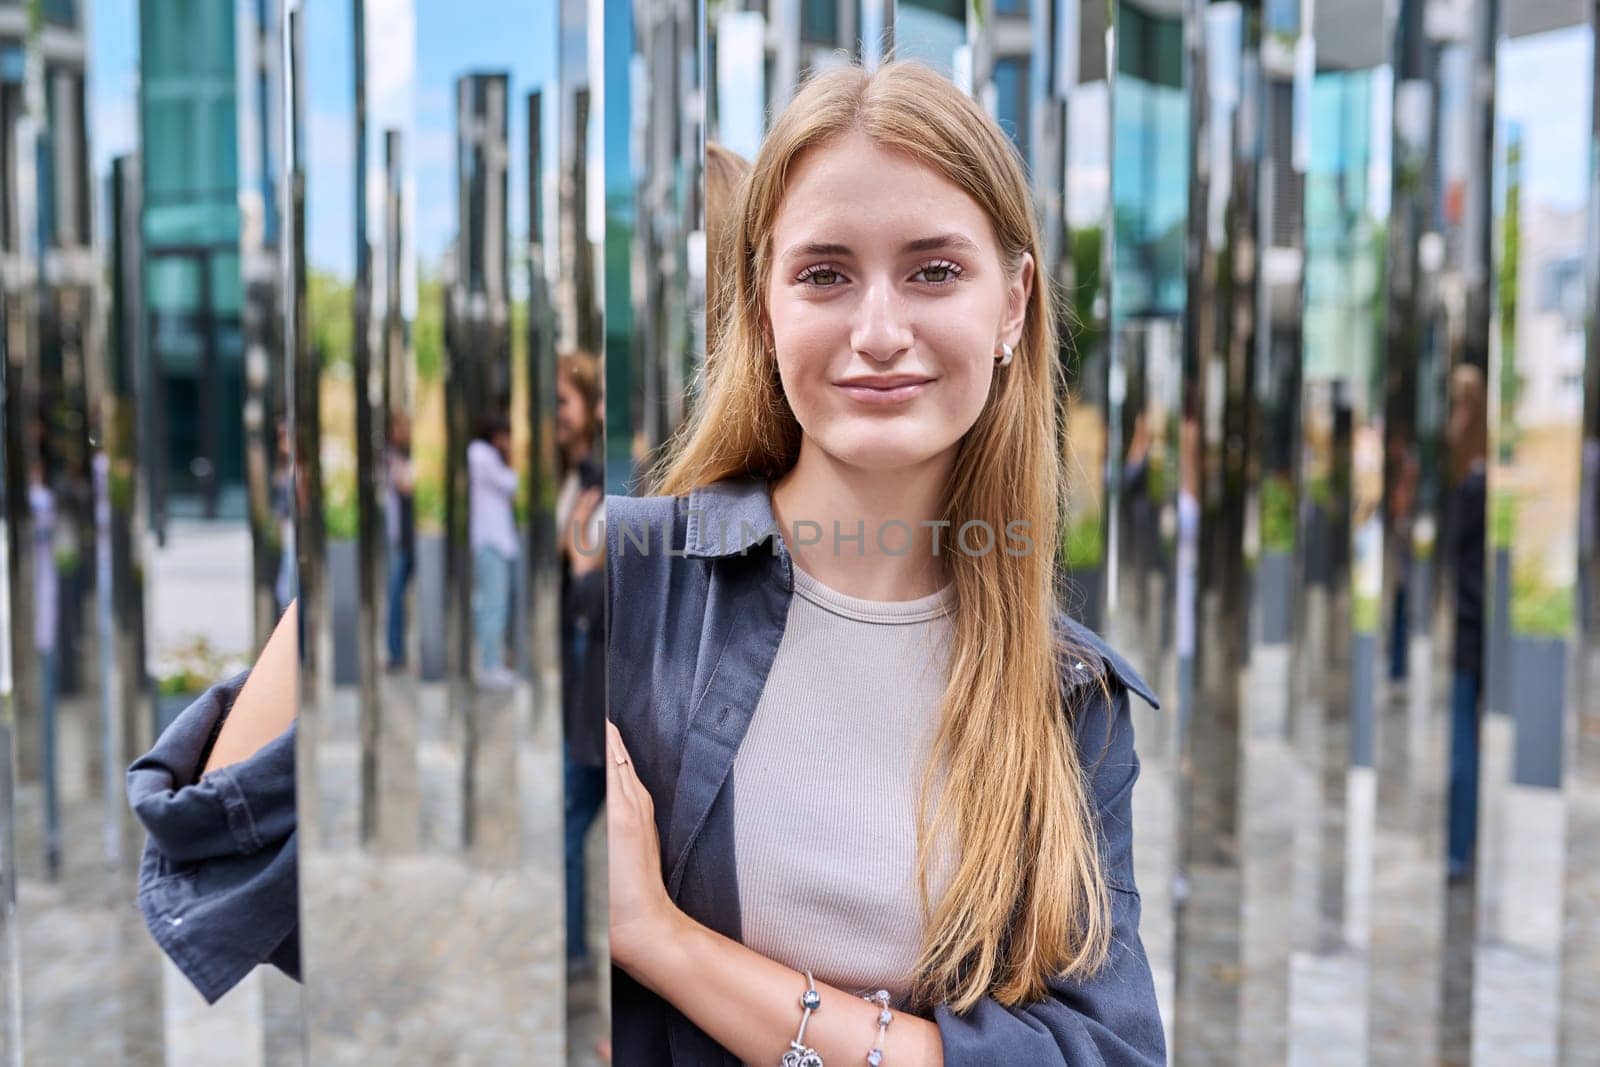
<point>1029,899</point>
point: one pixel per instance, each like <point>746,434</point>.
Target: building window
<point>950,9</point>
<point>819,21</point>
<point>1011,99</point>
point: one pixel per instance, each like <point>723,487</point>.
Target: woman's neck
<point>891,506</point>
<point>570,458</point>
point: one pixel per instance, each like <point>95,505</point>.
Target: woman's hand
<point>641,911</point>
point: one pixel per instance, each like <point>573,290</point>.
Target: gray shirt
<point>826,787</point>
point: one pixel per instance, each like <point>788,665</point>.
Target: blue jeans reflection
<point>1464,694</point>
<point>399,578</point>
<point>585,793</point>
<point>491,577</point>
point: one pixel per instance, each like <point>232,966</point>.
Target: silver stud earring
<point>1005,355</point>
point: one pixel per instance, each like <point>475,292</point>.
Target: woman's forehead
<point>854,186</point>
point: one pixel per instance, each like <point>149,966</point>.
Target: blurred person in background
<point>283,512</point>
<point>400,531</point>
<point>1468,436</point>
<point>493,533</point>
<point>578,518</point>
<point>46,613</point>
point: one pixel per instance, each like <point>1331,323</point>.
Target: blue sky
<point>1534,72</point>
<point>113,77</point>
<point>451,37</point>
<point>411,75</point>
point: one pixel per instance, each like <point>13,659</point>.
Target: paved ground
<point>422,947</point>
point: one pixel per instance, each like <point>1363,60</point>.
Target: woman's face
<point>883,269</point>
<point>572,420</point>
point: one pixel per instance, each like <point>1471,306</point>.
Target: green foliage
<point>1277,513</point>
<point>1083,545</point>
<point>1364,614</point>
<point>427,329</point>
<point>429,501</point>
<point>1087,248</point>
<point>193,667</point>
<point>1538,607</point>
<point>1502,518</point>
<point>1506,301</point>
<point>339,515</point>
<point>330,311</point>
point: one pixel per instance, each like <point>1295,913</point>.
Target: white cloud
<point>391,62</point>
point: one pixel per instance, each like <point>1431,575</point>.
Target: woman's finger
<point>619,766</point>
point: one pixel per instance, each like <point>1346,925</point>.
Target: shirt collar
<point>729,517</point>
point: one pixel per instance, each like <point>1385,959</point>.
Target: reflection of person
<point>1187,563</point>
<point>217,880</point>
<point>400,530</point>
<point>1468,437</point>
<point>46,609</point>
<point>578,514</point>
<point>725,170</point>
<point>283,512</point>
<point>786,713</point>
<point>1404,471</point>
<point>492,486</point>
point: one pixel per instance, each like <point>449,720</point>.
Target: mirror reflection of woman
<point>869,800</point>
<point>583,693</point>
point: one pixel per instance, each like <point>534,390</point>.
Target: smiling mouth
<point>879,397</point>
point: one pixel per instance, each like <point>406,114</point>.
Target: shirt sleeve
<point>218,875</point>
<point>492,469</point>
<point>1112,1018</point>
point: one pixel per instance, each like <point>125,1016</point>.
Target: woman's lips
<point>871,397</point>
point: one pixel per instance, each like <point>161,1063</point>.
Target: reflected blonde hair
<point>1028,900</point>
<point>725,171</point>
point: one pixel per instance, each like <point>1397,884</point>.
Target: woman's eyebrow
<point>952,242</point>
<point>943,242</point>
<point>815,248</point>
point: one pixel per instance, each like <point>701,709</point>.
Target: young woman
<point>853,748</point>
<point>849,740</point>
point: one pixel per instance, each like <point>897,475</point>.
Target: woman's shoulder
<point>644,524</point>
<point>1078,640</point>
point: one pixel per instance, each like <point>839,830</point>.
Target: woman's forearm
<point>267,703</point>
<point>750,1004</point>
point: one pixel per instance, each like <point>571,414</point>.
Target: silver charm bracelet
<point>799,1055</point>
<point>885,1016</point>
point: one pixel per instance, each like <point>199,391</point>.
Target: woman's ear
<point>1018,291</point>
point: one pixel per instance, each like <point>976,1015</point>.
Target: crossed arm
<point>749,1004</point>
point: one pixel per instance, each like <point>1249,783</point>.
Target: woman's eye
<point>939,273</point>
<point>821,277</point>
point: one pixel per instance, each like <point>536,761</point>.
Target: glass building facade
<point>188,115</point>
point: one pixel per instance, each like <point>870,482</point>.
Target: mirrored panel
<point>140,407</point>
<point>431,462</point>
<point>311,610</point>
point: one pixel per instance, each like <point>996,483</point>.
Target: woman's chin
<point>878,455</point>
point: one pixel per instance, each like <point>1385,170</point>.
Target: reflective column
<point>1338,654</point>
<point>1578,1022</point>
<point>1152,510</point>
<point>1223,365</point>
<point>1520,462</point>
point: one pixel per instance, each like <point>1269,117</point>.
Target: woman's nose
<point>882,328</point>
